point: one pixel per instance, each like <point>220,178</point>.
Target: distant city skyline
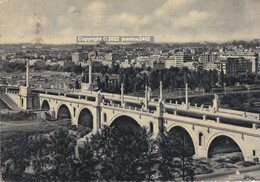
<point>167,20</point>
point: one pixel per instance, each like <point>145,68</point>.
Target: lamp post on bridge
<point>146,97</point>
<point>186,94</point>
<point>159,110</point>
<point>90,72</point>
<point>216,102</point>
<point>149,94</point>
<point>122,94</point>
<point>161,92</point>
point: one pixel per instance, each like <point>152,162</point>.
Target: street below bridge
<point>240,174</point>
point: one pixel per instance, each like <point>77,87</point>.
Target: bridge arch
<point>85,117</point>
<point>228,136</point>
<point>188,134</point>
<point>45,105</point>
<point>125,121</point>
<point>63,112</point>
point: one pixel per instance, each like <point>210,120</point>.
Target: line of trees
<point>10,67</point>
<point>135,79</point>
<point>115,154</point>
<point>242,101</point>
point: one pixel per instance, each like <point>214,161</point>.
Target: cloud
<point>96,6</point>
<point>2,1</point>
<point>193,18</point>
<point>167,20</point>
<point>94,14</point>
<point>171,5</point>
<point>71,9</point>
<point>130,20</point>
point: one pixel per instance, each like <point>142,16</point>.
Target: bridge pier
<point>74,121</point>
<point>96,119</point>
<point>200,153</point>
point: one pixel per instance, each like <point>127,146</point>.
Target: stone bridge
<point>205,126</point>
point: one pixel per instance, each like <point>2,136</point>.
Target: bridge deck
<point>221,113</point>
<point>83,97</point>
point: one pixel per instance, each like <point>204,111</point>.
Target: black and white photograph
<point>129,90</point>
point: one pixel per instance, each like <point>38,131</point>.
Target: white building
<point>170,63</point>
<point>251,56</point>
<point>75,57</point>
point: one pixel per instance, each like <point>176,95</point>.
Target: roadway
<point>173,96</point>
<point>244,174</point>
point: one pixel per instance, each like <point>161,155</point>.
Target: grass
<point>12,127</point>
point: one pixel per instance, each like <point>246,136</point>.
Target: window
<point>105,117</point>
<point>22,102</point>
<point>74,112</point>
<point>253,152</point>
<point>200,139</point>
<point>151,127</point>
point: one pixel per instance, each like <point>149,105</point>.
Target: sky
<point>166,20</point>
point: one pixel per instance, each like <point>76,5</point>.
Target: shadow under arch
<point>126,122</point>
<point>222,144</point>
<point>45,105</point>
<point>63,112</point>
<point>180,134</point>
<point>85,118</point>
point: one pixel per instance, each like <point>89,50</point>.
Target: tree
<point>106,82</point>
<point>71,86</point>
<point>77,69</point>
<point>15,156</point>
<point>185,160</point>
<point>85,165</point>
<point>62,153</point>
<point>123,154</point>
<point>98,83</point>
<point>221,78</point>
<point>126,82</point>
<point>53,155</point>
<point>39,150</point>
<point>167,166</point>
<point>77,85</point>
<point>175,158</point>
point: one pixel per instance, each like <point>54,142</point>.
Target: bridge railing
<point>241,113</point>
<point>12,92</point>
<point>220,112</point>
<point>130,108</point>
<point>237,116</point>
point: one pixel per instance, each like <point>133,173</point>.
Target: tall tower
<point>90,72</point>
<point>87,85</point>
<point>25,92</point>
<point>27,74</point>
